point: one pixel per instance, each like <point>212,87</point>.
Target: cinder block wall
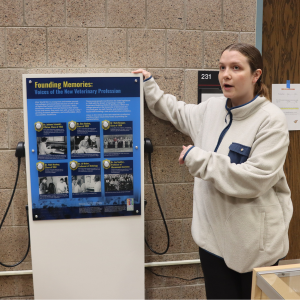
<point>170,38</point>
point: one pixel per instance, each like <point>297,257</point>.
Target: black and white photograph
<point>118,182</point>
<point>53,185</point>
<point>118,139</point>
<point>52,147</point>
<point>52,141</point>
<point>86,184</point>
<point>85,144</point>
<point>85,140</point>
<point>86,180</point>
<point>118,143</point>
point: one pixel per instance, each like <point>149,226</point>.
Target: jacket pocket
<point>262,231</point>
<point>252,236</point>
<point>238,153</point>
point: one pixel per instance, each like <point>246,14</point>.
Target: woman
<point>74,183</point>
<point>79,188</point>
<point>242,206</point>
<point>61,187</point>
<point>51,187</point>
<point>97,187</point>
<point>43,186</point>
<point>43,149</point>
<point>84,143</point>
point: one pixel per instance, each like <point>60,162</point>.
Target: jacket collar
<point>245,110</point>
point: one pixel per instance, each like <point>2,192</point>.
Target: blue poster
<point>84,140</point>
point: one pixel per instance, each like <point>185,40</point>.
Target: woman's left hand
<point>183,152</point>
<point>145,73</point>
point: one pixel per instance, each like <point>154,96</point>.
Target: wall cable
<point>159,275</point>
<point>5,214</point>
<point>149,149</point>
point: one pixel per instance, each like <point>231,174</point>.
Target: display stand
<point>84,162</point>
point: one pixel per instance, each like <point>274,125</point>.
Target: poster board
<point>81,235</point>
<point>84,137</point>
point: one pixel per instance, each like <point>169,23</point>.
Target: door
<point>281,58</point>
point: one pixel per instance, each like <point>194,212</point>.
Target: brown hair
<point>255,62</point>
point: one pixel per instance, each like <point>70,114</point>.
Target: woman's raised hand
<point>144,72</point>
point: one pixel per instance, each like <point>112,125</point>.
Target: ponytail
<point>261,89</point>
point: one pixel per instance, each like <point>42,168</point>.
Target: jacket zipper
<point>224,131</point>
<point>230,122</point>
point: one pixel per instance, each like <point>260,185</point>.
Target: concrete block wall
<point>170,38</point>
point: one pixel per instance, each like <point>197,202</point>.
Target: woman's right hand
<point>146,74</point>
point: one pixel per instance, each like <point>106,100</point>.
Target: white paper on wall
<point>288,100</point>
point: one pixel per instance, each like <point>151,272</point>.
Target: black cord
<point>161,212</point>
<point>159,275</point>
<point>5,214</point>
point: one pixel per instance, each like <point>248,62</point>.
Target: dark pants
<point>222,282</point>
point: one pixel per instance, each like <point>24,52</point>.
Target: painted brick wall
<point>170,38</point>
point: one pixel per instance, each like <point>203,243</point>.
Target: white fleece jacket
<point>242,205</point>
